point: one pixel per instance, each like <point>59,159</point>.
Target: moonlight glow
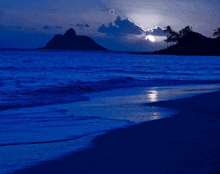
<point>151,38</point>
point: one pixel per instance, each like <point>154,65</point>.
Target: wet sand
<point>188,142</point>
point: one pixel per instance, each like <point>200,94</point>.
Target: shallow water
<point>54,103</point>
<point>36,134</point>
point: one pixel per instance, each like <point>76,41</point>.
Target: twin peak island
<point>70,41</point>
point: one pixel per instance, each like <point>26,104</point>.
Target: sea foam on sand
<point>185,143</point>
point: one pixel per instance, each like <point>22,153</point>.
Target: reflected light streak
<point>155,116</point>
<point>152,96</point>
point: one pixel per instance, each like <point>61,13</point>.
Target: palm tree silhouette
<point>177,37</point>
<point>185,30</point>
<point>168,40</point>
<point>217,32</point>
<point>168,30</point>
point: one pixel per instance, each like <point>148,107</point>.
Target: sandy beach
<point>185,143</point>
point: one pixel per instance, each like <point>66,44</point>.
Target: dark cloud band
<point>51,27</point>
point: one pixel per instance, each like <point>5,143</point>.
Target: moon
<point>150,37</point>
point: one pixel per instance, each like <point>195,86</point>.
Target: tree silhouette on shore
<point>168,30</point>
<point>174,36</point>
<point>217,32</point>
<point>189,42</point>
<point>185,30</point>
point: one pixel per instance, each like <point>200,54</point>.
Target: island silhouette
<point>70,41</point>
<point>188,42</point>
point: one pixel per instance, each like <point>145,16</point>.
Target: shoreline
<point>185,143</point>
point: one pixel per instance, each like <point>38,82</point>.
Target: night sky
<point>115,24</point>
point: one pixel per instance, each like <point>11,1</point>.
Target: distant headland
<point>70,41</point>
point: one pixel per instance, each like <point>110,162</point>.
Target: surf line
<point>47,142</point>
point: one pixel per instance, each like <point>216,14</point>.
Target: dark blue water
<point>30,78</point>
<point>55,102</point>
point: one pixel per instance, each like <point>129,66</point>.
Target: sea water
<point>53,103</point>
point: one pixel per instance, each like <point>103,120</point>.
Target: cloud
<point>15,27</point>
<point>58,27</point>
<point>51,27</point>
<point>32,29</point>
<point>156,31</point>
<point>47,28</point>
<point>121,27</point>
<point>12,28</point>
<point>82,26</point>
<point>7,7</point>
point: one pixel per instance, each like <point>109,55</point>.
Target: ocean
<point>53,103</point>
